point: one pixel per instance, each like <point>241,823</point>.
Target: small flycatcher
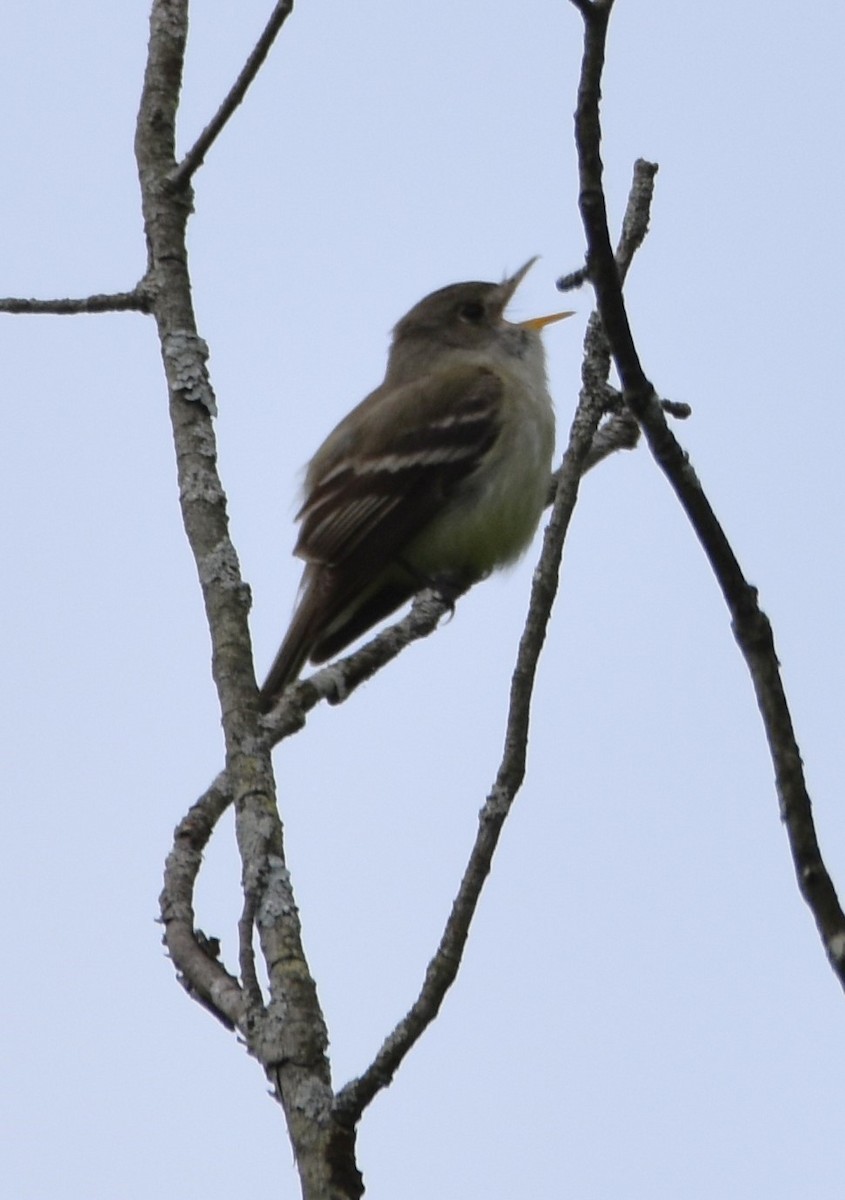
<point>439,476</point>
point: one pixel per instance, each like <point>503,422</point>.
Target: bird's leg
<point>449,587</point>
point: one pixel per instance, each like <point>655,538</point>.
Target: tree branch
<point>195,157</point>
<point>199,972</point>
<point>288,1036</point>
<point>135,301</point>
<point>750,625</point>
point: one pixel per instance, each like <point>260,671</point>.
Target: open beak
<point>539,323</point>
<point>509,287</point>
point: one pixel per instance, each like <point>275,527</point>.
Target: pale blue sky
<point>645,1009</point>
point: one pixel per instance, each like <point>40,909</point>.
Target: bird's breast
<point>493,515</point>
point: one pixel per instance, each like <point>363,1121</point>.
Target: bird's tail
<point>286,665</point>
<point>328,617</point>
<point>304,628</point>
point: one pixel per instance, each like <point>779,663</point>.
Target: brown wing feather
<point>363,509</point>
<point>366,506</point>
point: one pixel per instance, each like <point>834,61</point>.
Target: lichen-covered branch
<point>133,301</point>
<point>288,1035</point>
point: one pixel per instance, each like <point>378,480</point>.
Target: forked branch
<point>195,157</point>
<point>751,627</point>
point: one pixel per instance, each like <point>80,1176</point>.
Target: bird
<point>438,477</point>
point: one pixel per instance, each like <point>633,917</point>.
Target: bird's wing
<point>373,498</point>
<point>367,497</point>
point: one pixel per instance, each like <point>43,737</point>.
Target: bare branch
<point>193,160</point>
<point>676,408</point>
<point>750,625</point>
<point>573,281</point>
<point>288,1037</point>
<point>135,301</point>
<point>637,213</point>
<point>198,970</point>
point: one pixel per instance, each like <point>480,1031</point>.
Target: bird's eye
<point>472,310</point>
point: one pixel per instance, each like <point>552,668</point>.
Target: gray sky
<point>645,1009</point>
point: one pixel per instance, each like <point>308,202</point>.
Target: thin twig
<point>751,627</point>
<point>637,214</point>
<point>574,280</point>
<point>193,160</point>
<point>676,408</point>
<point>199,972</point>
<point>135,301</point>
